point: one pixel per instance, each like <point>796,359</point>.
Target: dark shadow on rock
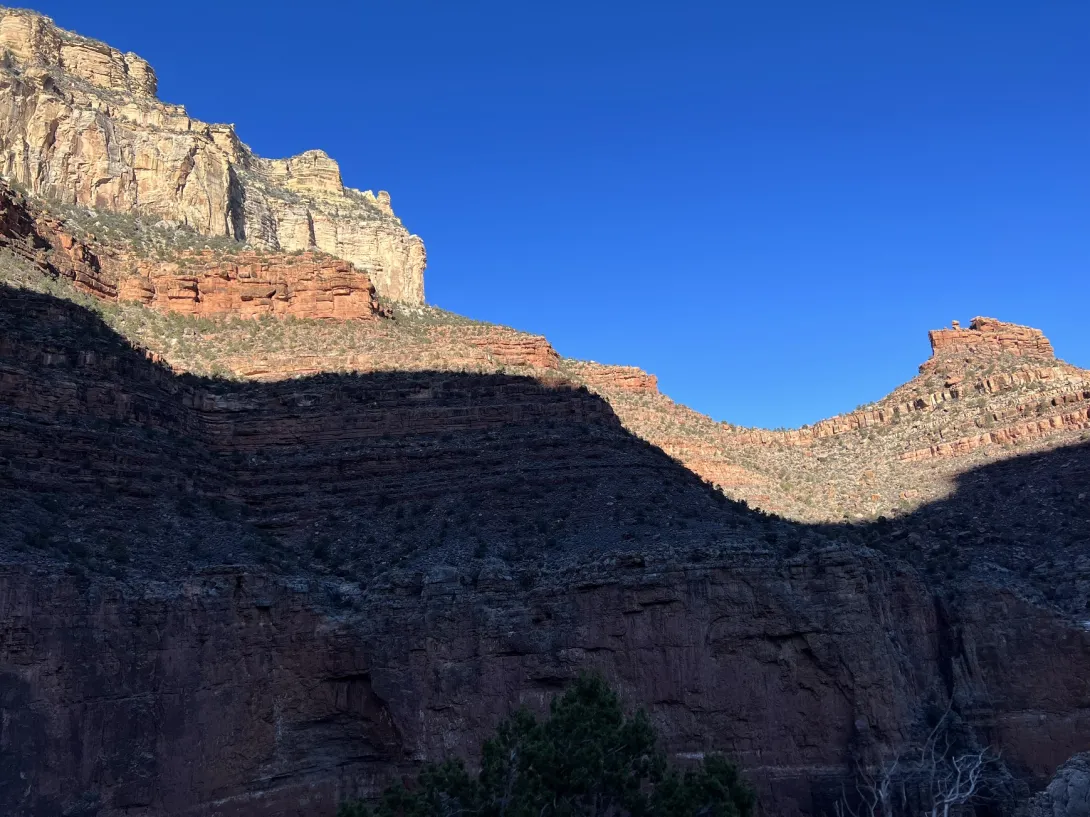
<point>108,458</point>
<point>336,576</point>
<point>1021,523</point>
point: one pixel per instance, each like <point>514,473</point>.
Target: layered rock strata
<point>505,346</point>
<point>1077,420</point>
<point>987,336</point>
<point>250,285</point>
<point>606,379</point>
<point>255,599</point>
<point>991,391</point>
<point>975,400</point>
<point>953,351</point>
<point>203,284</point>
<point>80,123</point>
<point>224,599</point>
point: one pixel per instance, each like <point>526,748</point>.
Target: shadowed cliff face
<point>240,599</point>
<point>358,472</point>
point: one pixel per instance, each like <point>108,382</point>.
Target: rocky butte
<point>270,536</point>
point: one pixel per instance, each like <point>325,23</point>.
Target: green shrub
<point>586,758</point>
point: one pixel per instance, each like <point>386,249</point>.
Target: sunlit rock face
<point>80,123</point>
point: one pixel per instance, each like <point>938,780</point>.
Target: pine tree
<point>586,759</point>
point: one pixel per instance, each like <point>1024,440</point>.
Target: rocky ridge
<point>987,336</point>
<point>83,126</point>
<point>80,124</point>
<point>990,391</point>
<point>994,389</point>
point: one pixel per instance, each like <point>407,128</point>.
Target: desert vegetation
<point>586,758</point>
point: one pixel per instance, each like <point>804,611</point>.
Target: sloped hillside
<point>990,391</point>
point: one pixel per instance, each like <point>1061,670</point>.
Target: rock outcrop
<point>80,123</point>
<point>607,379</point>
<point>1068,793</point>
<point>203,284</point>
<point>507,347</point>
<point>989,337</point>
<point>250,285</point>
<point>892,411</point>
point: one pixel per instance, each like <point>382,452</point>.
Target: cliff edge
<point>80,124</point>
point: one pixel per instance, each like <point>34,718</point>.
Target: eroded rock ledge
<point>250,285</point>
<point>204,284</point>
<point>987,336</point>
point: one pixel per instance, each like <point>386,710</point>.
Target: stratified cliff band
<point>80,123</point>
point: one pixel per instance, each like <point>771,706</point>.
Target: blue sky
<point>765,204</point>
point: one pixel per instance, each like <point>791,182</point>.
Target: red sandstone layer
<point>989,336</point>
<point>205,284</point>
<point>309,285</point>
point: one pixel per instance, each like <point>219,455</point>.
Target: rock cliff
<point>987,336</point>
<point>249,567</point>
<point>235,598</point>
<point>239,284</point>
<point>80,124</point>
<point>249,285</point>
<point>1067,794</point>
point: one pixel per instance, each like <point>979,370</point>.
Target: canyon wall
<point>231,599</point>
<point>252,599</point>
<point>80,124</point>
<point>230,694</point>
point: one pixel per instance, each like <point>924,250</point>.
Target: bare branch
<point>947,777</point>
